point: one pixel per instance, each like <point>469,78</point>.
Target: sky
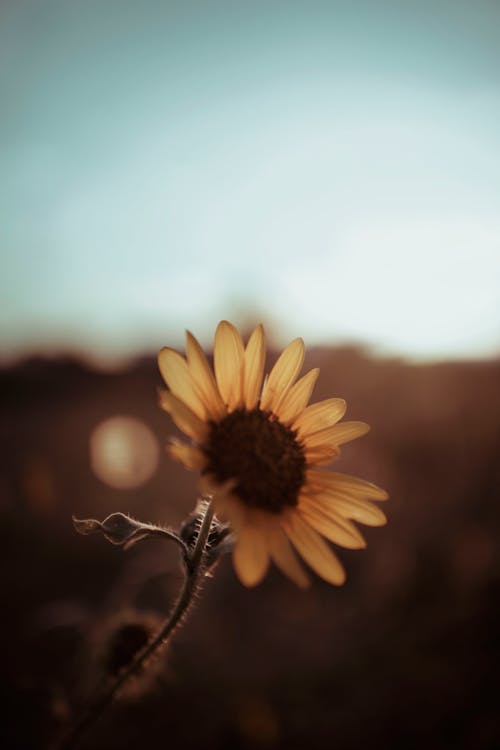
<point>331,168</point>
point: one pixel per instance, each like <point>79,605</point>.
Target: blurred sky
<point>330,167</point>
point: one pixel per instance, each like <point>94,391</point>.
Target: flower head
<point>260,450</point>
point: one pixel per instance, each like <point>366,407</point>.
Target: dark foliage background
<point>406,654</point>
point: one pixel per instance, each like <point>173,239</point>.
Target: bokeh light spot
<point>123,452</point>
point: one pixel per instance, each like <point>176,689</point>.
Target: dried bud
<point>86,526</point>
<point>119,529</point>
<point>124,531</point>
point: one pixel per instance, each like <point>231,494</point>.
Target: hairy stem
<point>194,572</point>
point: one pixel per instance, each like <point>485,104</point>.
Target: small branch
<point>195,568</point>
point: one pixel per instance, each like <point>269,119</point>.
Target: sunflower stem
<point>194,568</point>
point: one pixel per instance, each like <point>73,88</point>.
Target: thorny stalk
<point>195,568</point>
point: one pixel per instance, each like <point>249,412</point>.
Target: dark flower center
<point>261,454</point>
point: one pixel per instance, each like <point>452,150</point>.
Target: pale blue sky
<point>332,168</point>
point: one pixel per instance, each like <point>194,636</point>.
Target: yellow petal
<point>330,524</point>
<point>183,417</point>
<point>320,416</point>
<point>175,372</point>
<point>227,505</point>
<point>297,397</point>
<point>203,379</point>
<point>313,549</point>
<point>250,555</point>
<point>362,511</point>
<point>230,509</point>
<point>352,485</point>
<point>253,367</point>
<point>188,455</point>
<point>283,375</point>
<point>228,359</point>
<point>336,435</point>
<point>321,455</point>
<point>284,557</point>
<point>347,431</point>
<point>207,484</point>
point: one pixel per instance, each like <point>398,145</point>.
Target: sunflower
<point>260,450</point>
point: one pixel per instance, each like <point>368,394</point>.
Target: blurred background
<point>331,169</point>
